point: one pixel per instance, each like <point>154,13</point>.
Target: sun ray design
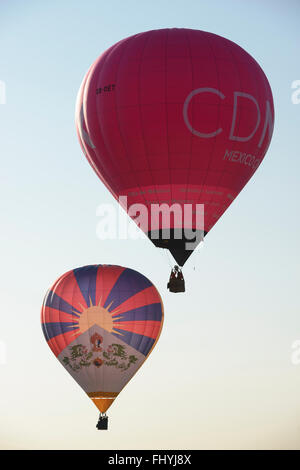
<point>120,301</point>
<point>96,315</point>
<point>108,307</point>
<point>119,317</point>
<point>75,333</point>
<point>114,312</point>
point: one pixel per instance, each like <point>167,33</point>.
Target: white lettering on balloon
<point>242,157</point>
<point>185,112</point>
<point>235,105</point>
<point>84,136</point>
<point>268,124</point>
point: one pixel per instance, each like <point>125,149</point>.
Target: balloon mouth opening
<point>180,242</point>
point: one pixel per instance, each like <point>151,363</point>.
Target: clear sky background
<point>221,374</point>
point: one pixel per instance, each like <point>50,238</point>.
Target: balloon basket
<point>176,282</point>
<point>102,422</point>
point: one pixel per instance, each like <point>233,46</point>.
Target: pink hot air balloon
<point>175,116</point>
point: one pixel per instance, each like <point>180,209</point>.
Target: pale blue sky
<point>226,343</point>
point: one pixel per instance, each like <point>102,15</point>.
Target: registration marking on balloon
<point>102,322</point>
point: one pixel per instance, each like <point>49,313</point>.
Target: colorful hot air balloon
<point>175,117</point>
<point>102,322</point>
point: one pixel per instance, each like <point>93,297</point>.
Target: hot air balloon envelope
<point>102,322</point>
<point>175,117</point>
